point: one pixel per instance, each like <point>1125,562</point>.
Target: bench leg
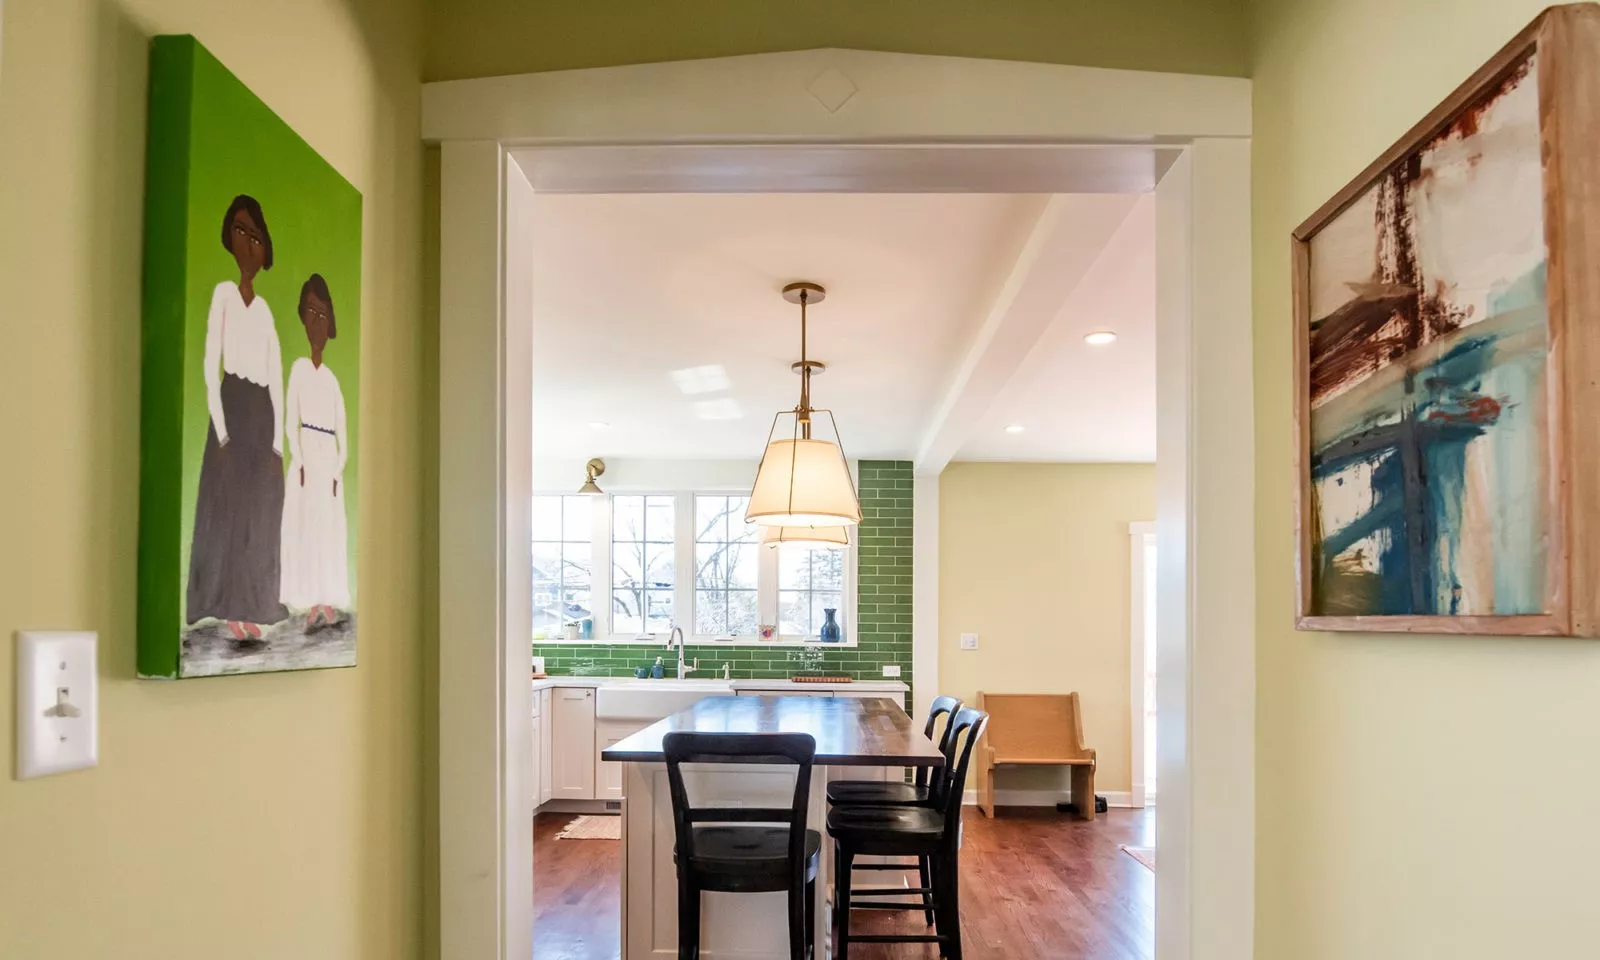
<point>1083,791</point>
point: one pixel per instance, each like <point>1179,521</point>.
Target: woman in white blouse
<point>233,558</point>
<point>316,566</point>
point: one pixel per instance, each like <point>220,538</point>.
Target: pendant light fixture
<point>809,538</point>
<point>803,480</point>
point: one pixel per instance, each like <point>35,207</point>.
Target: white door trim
<point>1139,533</point>
<point>1205,890</point>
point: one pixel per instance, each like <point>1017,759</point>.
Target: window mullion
<point>683,552</point>
<point>767,584</point>
<point>600,570</point>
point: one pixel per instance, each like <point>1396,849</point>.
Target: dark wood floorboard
<point>1035,885</point>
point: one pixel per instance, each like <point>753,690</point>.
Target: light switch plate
<point>58,702</point>
<point>969,641</point>
<point>892,671</point>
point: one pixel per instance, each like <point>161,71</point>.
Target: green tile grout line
<point>883,608</point>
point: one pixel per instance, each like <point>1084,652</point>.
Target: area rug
<point>1145,855</point>
<point>592,828</point>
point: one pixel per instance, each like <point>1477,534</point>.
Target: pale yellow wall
<point>481,38</point>
<point>1418,797</point>
<point>266,817</point>
<point>1034,558</point>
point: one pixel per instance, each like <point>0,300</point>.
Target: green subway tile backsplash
<point>883,608</point>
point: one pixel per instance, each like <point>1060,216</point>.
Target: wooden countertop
<point>850,732</point>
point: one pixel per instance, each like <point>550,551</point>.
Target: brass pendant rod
<point>803,412</point>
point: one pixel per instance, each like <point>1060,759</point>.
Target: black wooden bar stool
<point>731,853</point>
<point>932,831</point>
<point>898,793</point>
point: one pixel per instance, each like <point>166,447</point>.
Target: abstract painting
<point>251,385</point>
<point>1431,400</point>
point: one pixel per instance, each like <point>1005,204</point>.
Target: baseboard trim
<point>579,806</point>
<point>1045,798</point>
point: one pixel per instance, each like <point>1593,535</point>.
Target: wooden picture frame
<point>1559,52</point>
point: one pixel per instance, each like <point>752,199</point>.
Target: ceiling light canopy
<point>803,480</point>
<point>1100,337</point>
<point>1015,428</point>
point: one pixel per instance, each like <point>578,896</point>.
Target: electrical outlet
<point>893,671</point>
<point>969,641</point>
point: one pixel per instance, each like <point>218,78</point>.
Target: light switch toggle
<point>63,707</point>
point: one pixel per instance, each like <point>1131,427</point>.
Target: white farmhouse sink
<point>653,699</point>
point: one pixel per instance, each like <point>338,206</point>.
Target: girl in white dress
<point>316,569</point>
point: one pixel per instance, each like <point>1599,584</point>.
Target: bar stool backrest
<point>942,707</point>
<point>797,749</point>
<point>965,730</point>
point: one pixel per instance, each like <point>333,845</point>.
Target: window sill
<point>627,641</point>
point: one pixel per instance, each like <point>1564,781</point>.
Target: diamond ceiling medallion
<point>832,89</point>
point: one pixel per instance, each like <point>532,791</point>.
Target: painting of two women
<point>251,379</point>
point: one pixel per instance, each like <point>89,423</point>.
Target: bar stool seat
<point>877,793</point>
<point>886,831</point>
<point>749,859</point>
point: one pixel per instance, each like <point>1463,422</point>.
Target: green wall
<point>883,612</point>
<point>482,38</point>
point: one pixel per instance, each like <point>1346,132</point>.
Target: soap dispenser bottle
<point>658,671</point>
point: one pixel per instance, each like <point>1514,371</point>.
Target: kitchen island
<point>856,739</point>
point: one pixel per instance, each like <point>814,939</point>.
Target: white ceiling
<point>1076,401</point>
<point>636,296</point>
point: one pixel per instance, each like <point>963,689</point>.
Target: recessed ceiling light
<point>1015,428</point>
<point>598,425</point>
<point>1100,337</point>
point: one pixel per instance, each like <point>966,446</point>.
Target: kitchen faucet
<point>675,639</point>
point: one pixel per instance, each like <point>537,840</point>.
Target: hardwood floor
<point>577,894</point>
<point>1035,885</point>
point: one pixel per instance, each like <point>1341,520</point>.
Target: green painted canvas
<point>251,384</point>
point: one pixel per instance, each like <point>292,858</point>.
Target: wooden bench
<point>1035,729</point>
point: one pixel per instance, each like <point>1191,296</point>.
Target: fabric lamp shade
<point>803,483</point>
<point>808,538</point>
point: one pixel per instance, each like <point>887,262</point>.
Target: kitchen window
<point>643,564</point>
<point>563,543</point>
<point>727,568</point>
<point>684,558</point>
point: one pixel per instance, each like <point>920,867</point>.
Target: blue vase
<point>830,627</point>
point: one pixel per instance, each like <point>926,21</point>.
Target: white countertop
<point>713,683</point>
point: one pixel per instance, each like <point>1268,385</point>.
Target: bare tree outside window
<point>726,565</point>
<point>643,565</point>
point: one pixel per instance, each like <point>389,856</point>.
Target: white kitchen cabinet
<point>608,775</point>
<point>542,738</point>
<point>871,694</point>
<point>538,755</point>
<point>572,752</point>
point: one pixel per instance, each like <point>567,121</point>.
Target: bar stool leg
<point>927,884</point>
<point>797,924</point>
<point>841,900</point>
<point>811,919</point>
<point>688,921</point>
<point>948,900</point>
